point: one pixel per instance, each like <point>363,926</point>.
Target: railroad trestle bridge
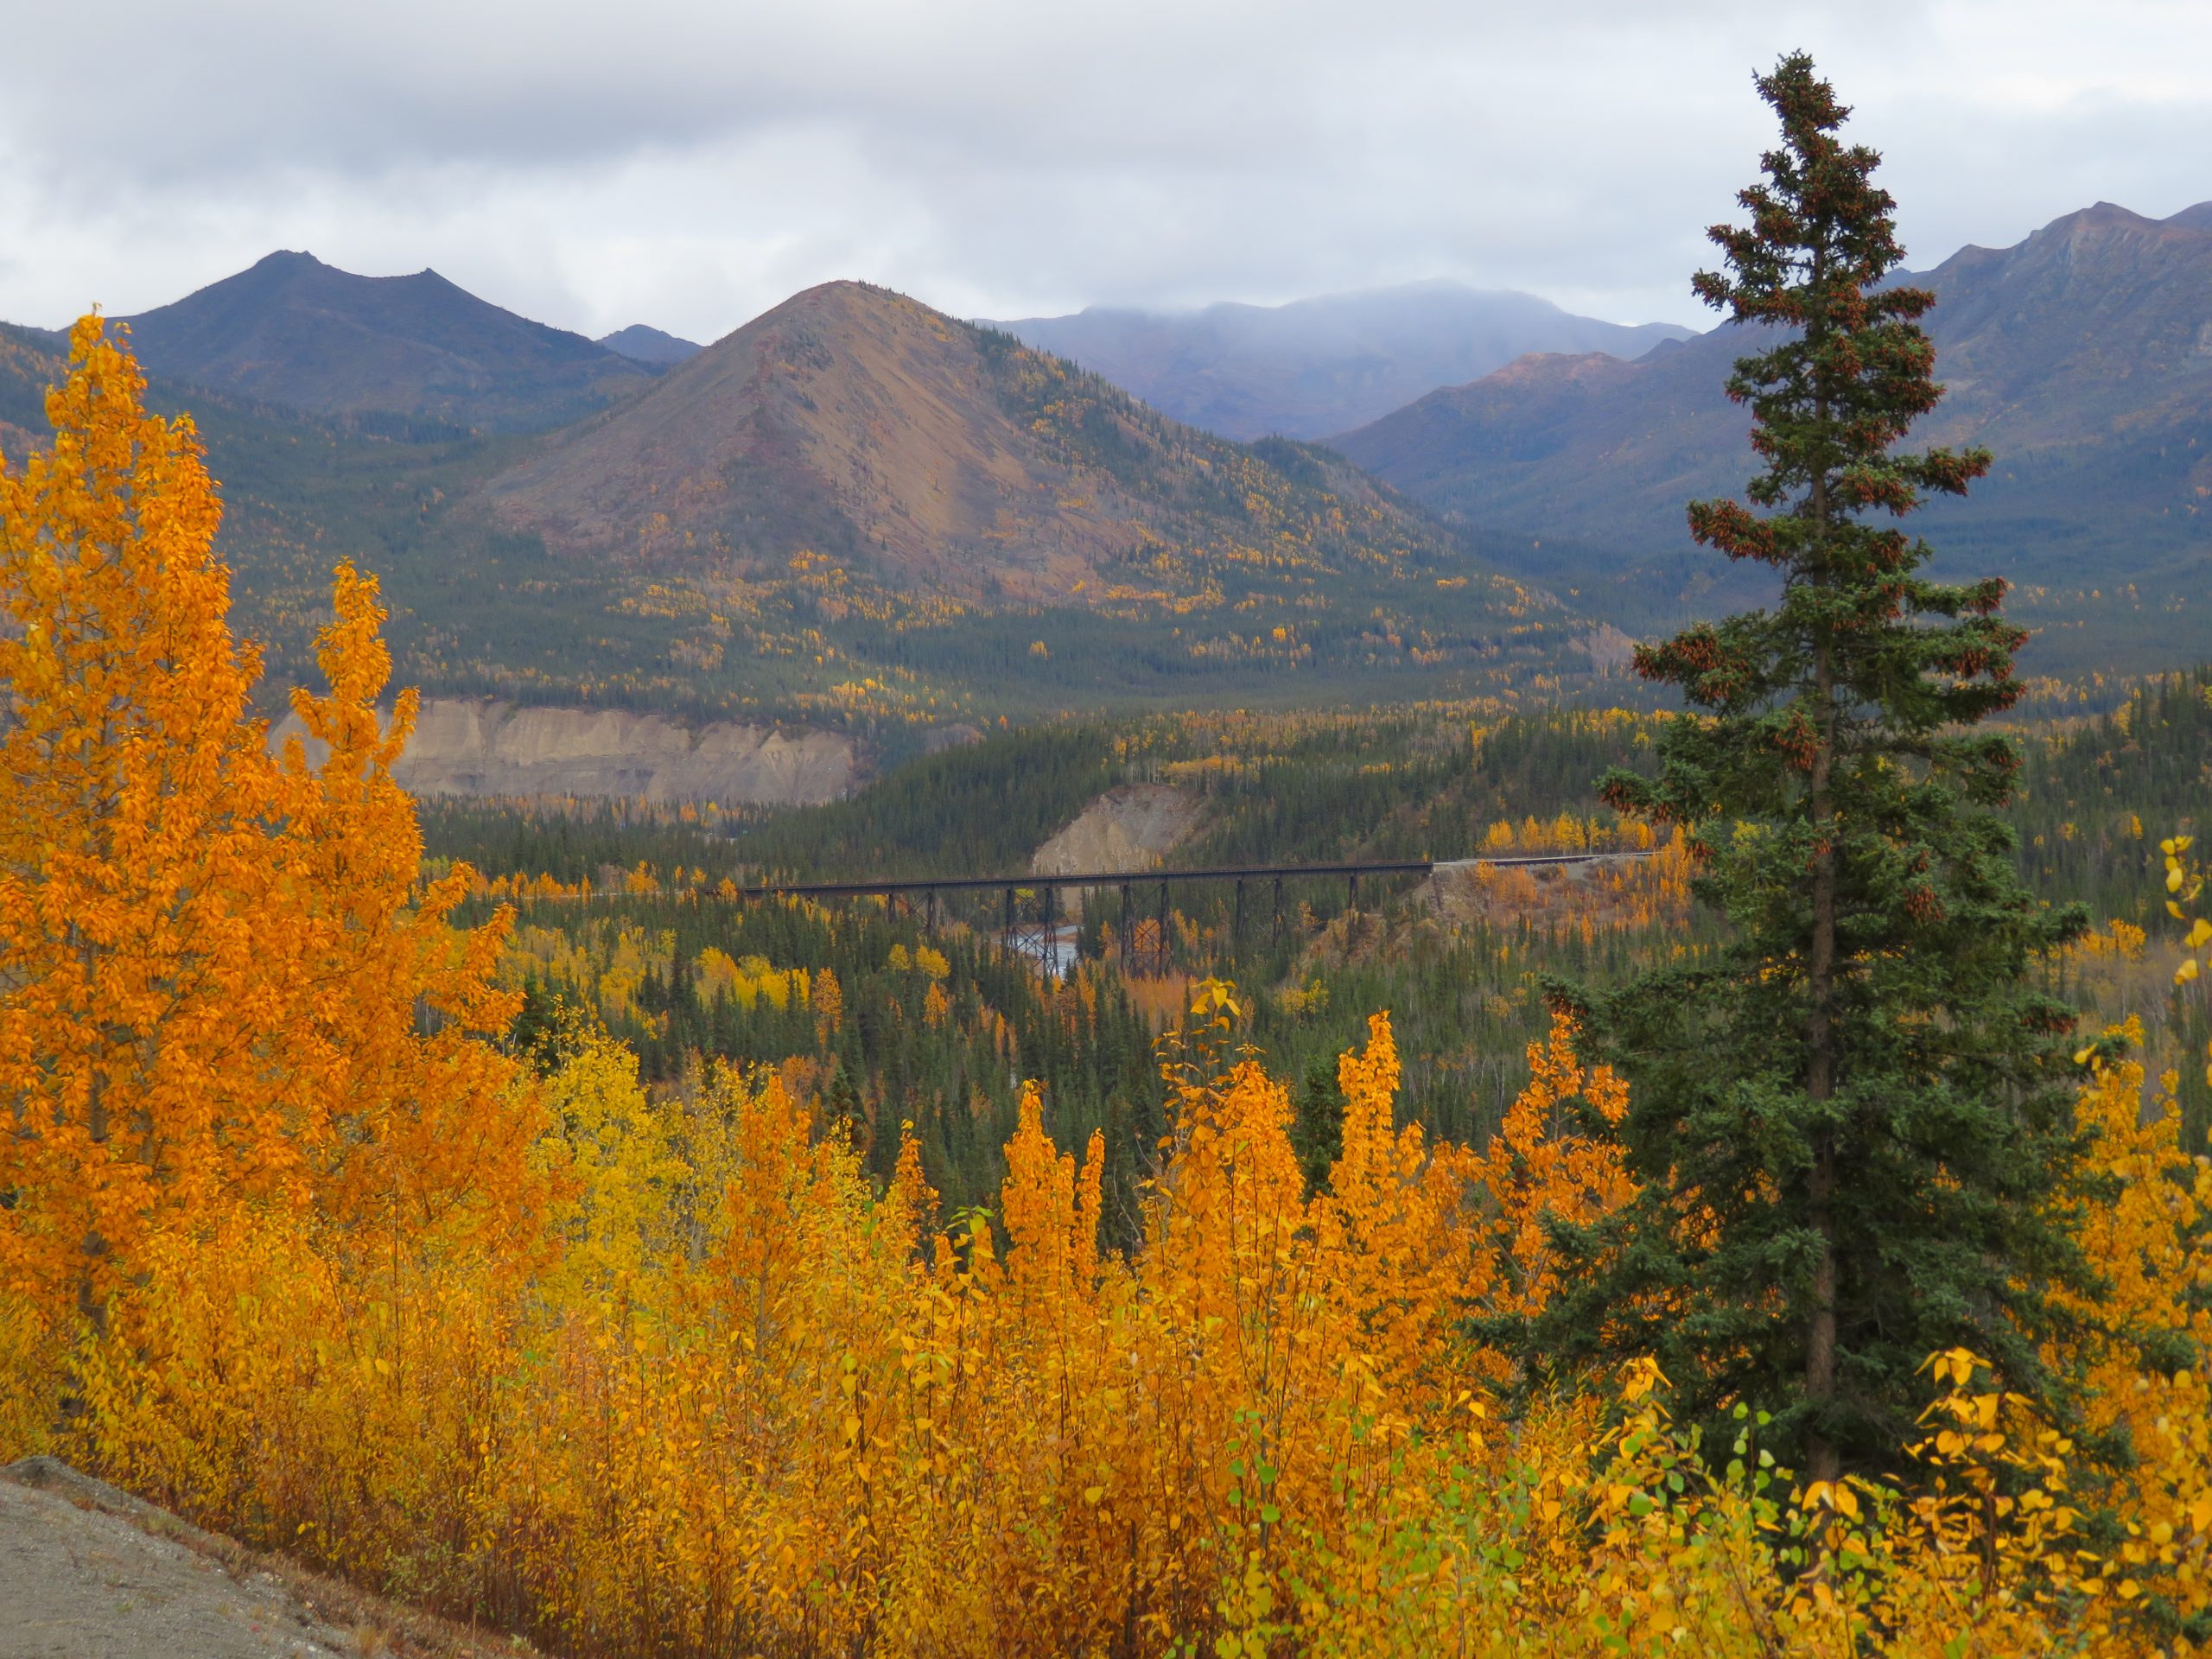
<point>1032,928</point>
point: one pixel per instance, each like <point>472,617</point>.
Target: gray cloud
<point>689,164</point>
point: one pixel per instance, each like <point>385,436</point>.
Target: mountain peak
<point>908,465</point>
<point>2081,356</point>
<point>642,343</point>
<point>2098,219</point>
<point>293,330</point>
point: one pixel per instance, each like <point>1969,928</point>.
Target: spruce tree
<point>1853,1125</point>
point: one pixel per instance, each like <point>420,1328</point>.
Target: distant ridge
<point>2082,356</point>
<point>642,344</point>
<point>1320,365</point>
<point>293,331</point>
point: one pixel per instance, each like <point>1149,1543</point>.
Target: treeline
<point>892,1023</point>
<point>2095,801</point>
<point>1293,787</point>
<point>1465,988</point>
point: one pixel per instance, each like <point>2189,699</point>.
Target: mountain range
<point>2081,357</point>
<point>1321,365</point>
<point>856,509</point>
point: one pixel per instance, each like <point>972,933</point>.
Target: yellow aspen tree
<point>829,1004</point>
<point>1051,1214</point>
<point>429,1128</point>
<point>1541,1168</point>
<point>136,920</point>
<point>909,1205</point>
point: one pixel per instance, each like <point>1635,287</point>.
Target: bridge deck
<point>1133,878</point>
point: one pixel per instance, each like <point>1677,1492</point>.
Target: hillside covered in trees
<point>1782,1232</point>
<point>854,512</point>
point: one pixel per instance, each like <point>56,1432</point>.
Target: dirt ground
<point>87,1571</point>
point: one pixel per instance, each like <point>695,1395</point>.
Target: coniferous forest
<point>1783,1232</point>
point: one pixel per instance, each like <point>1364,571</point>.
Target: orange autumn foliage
<point>663,1373</point>
<point>1538,1168</point>
<point>134,851</point>
<point>799,1433</point>
<point>216,977</point>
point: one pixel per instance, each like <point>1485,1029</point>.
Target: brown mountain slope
<point>2082,357</point>
<point>849,422</point>
<point>860,427</point>
<point>857,511</point>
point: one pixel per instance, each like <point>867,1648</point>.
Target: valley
<point>1130,983</point>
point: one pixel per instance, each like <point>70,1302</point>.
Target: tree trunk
<point>93,1246</point>
<point>1820,1085</point>
<point>1824,1461</point>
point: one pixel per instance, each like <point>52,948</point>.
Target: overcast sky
<point>690,162</point>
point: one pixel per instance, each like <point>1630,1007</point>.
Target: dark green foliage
<point>1318,1136</point>
<point>978,809</point>
<point>1464,1000</point>
<point>2092,806</point>
<point>1854,1129</point>
<point>887,1060</point>
<point>537,1025</point>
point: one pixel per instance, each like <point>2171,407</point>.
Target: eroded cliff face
<point>1130,827</point>
<point>470,747</point>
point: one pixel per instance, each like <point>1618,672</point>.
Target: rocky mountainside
<point>1130,827</point>
<point>1319,366</point>
<point>2082,357</point>
<point>466,746</point>
<point>296,332</point>
<point>642,344</point>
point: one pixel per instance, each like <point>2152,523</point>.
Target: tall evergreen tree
<point>1852,1127</point>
